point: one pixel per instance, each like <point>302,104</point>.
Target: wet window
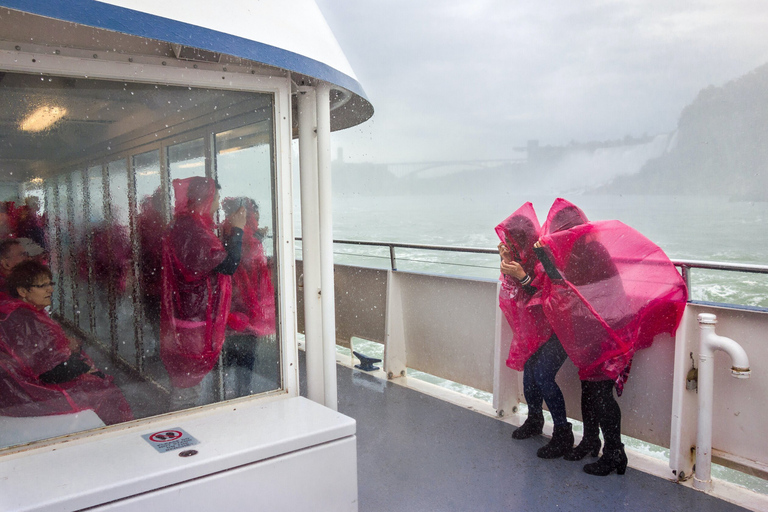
<point>152,284</point>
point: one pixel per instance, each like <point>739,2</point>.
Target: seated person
<point>42,371</point>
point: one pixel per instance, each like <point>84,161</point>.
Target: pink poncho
<point>618,291</point>
<point>253,294</point>
<point>31,344</point>
<point>194,299</point>
<point>523,311</point>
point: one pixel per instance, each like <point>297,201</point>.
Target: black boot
<point>587,446</point>
<point>611,459</point>
<point>533,426</point>
<point>560,444</point>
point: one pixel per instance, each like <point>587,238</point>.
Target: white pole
<point>310,244</point>
<point>326,242</point>
<point>708,343</point>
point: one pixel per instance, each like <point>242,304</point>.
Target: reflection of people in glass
<point>42,371</point>
<point>111,249</point>
<point>11,254</point>
<point>151,226</point>
<point>196,287</point>
<point>28,223</point>
<point>252,313</point>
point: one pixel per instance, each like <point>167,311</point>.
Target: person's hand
<point>237,219</point>
<point>513,269</point>
<point>538,244</point>
<point>74,345</point>
<point>504,252</point>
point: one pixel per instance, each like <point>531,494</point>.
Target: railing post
<point>686,273</point>
<point>392,261</point>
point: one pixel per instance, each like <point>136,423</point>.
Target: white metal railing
<point>684,265</point>
<point>451,327</point>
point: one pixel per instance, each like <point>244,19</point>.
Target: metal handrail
<point>685,265</point>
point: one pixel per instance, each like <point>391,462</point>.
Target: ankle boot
<point>560,444</point>
<point>533,426</point>
<point>611,459</point>
<point>587,446</point>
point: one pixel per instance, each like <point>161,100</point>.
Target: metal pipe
<point>326,243</point>
<point>709,342</point>
<point>310,230</point>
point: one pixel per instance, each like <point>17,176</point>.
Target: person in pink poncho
<point>42,371</point>
<point>611,292</point>
<point>534,349</point>
<point>252,312</point>
<point>196,288</point>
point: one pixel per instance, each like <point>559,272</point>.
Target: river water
<point>686,227</point>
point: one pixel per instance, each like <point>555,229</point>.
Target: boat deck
<point>419,453</point>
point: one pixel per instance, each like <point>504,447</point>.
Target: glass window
<point>96,247</point>
<point>139,290</point>
<point>80,254</point>
<point>244,170</point>
<point>117,266</point>
<point>150,226</point>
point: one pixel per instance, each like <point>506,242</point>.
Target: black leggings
<point>600,410</point>
<point>539,381</point>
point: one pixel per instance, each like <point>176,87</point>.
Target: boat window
<point>148,294</point>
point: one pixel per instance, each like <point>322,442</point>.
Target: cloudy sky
<point>463,80</point>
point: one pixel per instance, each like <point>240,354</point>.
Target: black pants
<point>539,381</point>
<point>239,357</point>
<point>601,411</point>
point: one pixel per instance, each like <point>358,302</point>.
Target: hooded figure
<point>253,294</point>
<point>522,310</point>
<point>611,292</point>
<point>196,286</point>
<point>534,347</point>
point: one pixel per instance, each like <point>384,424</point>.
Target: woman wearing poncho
<point>534,348</point>
<point>42,371</point>
<point>252,312</point>
<point>610,292</point>
<point>196,287</point>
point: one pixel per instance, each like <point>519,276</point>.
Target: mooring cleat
<point>366,363</point>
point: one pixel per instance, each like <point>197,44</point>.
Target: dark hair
<point>5,246</point>
<point>25,274</point>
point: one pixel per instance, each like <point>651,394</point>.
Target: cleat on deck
<point>366,363</point>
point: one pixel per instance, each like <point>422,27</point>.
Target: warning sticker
<point>170,439</point>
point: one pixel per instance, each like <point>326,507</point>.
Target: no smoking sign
<point>170,439</point>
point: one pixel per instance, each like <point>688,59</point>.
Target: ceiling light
<point>191,165</point>
<point>42,118</point>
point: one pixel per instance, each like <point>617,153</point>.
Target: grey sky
<point>456,80</point>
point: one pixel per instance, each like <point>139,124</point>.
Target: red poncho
<point>523,311</point>
<point>31,344</point>
<point>111,251</point>
<point>618,291</point>
<point>194,299</point>
<point>253,294</point>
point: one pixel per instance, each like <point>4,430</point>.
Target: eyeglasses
<point>45,285</point>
